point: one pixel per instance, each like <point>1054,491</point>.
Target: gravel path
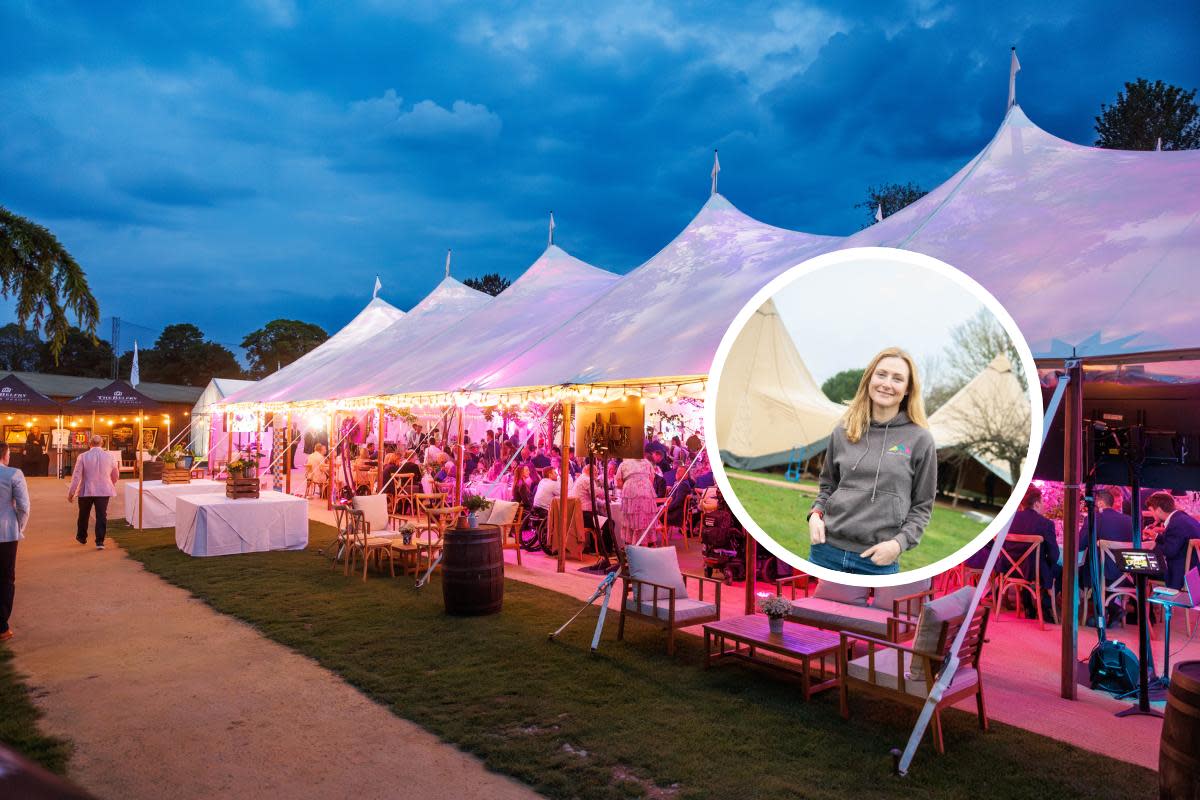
<point>164,697</point>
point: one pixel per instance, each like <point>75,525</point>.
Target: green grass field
<point>781,512</point>
<point>18,721</point>
<point>628,721</point>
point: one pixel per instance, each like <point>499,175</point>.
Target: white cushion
<point>658,565</point>
<point>885,596</point>
<point>685,609</point>
<point>374,508</point>
<point>841,593</point>
<point>934,613</point>
<point>886,670</point>
<point>832,615</point>
<point>502,512</point>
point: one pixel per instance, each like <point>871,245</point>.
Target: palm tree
<point>45,280</point>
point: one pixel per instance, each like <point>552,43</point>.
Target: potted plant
<point>239,467</point>
<point>474,503</point>
<point>169,457</point>
<point>776,608</point>
<point>406,531</point>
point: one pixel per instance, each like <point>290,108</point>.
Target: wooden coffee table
<point>744,637</point>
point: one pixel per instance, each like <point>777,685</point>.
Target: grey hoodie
<point>880,487</point>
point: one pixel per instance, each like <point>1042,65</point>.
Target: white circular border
<point>907,258</point>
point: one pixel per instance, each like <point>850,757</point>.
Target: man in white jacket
<point>14,516</point>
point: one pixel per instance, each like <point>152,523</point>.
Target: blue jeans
<point>830,557</point>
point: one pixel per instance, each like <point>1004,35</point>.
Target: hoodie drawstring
<point>866,449</point>
<point>882,450</point>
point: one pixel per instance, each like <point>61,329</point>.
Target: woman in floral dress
<point>635,479</point>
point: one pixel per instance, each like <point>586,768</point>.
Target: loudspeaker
<point>1113,667</point>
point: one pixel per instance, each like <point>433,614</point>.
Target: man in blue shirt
<point>1177,529</point>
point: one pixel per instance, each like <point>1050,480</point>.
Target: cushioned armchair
<point>655,591</point>
<point>907,674</point>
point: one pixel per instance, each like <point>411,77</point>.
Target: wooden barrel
<point>473,571</point>
<point>1179,750</point>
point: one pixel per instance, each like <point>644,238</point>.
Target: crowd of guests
<point>1167,532</point>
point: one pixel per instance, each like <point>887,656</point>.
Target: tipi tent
<point>767,400</point>
<point>991,405</point>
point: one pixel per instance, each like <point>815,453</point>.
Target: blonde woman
<point>880,474</point>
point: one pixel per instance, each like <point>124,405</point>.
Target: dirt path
<point>164,697</point>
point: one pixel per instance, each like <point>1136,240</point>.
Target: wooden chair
<point>1193,549</point>
<point>1123,586</point>
<point>343,523</point>
<point>884,670</point>
<point>402,494</point>
<point>1011,568</point>
<point>510,532</point>
<point>438,520</point>
<point>797,580</point>
<point>361,542</point>
<point>659,602</point>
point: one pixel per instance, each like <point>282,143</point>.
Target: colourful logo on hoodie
<point>902,449</point>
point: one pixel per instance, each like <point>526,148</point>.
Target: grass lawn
<point>781,512</point>
<point>18,721</point>
<point>619,723</point>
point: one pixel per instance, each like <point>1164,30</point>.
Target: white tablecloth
<point>159,511</point>
<point>214,525</point>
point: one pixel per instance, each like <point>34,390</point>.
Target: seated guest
<point>681,490</point>
<point>1030,521</point>
<point>573,462</point>
<point>540,460</point>
<point>470,460</point>
<point>372,455</point>
<point>391,465</point>
<point>409,466</point>
<point>1177,528</point>
<point>447,469</point>
<point>585,489</point>
<point>316,469</point>
<point>1111,526</point>
<point>548,488</point>
<point>705,480</point>
<point>521,491</point>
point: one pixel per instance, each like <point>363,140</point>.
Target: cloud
<point>172,188</point>
<point>425,119</point>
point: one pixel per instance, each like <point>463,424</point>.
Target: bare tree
<point>973,345</point>
<point>991,426</point>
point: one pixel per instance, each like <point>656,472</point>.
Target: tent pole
<point>141,467</point>
<point>287,454</point>
<point>228,441</point>
<point>564,476</point>
<point>332,471</point>
<point>93,433</point>
<point>258,431</point>
<point>59,437</point>
<point>1072,479</point>
<point>458,459</point>
<point>751,572</point>
<point>382,420</point>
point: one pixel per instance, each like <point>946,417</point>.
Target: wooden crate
<point>240,488</point>
<point>176,475</point>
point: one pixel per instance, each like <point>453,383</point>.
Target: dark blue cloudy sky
<point>232,162</point>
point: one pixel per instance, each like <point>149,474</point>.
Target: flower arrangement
<point>774,606</point>
<point>474,503</point>
<point>175,455</point>
<point>239,467</point>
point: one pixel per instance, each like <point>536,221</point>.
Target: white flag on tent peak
<point>448,252</point>
<point>879,213</point>
<point>551,227</point>
<point>135,376</point>
<point>1013,68</point>
<point>378,286</point>
<point>715,171</point>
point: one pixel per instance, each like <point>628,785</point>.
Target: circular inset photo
<point>870,416</point>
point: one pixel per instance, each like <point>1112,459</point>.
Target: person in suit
<point>94,482</point>
<point>1178,527</point>
<point>1111,526</point>
<point>14,515</point>
<point>1030,520</point>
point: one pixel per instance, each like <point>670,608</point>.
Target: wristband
<point>816,511</point>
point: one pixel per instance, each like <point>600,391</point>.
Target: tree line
<point>180,355</point>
